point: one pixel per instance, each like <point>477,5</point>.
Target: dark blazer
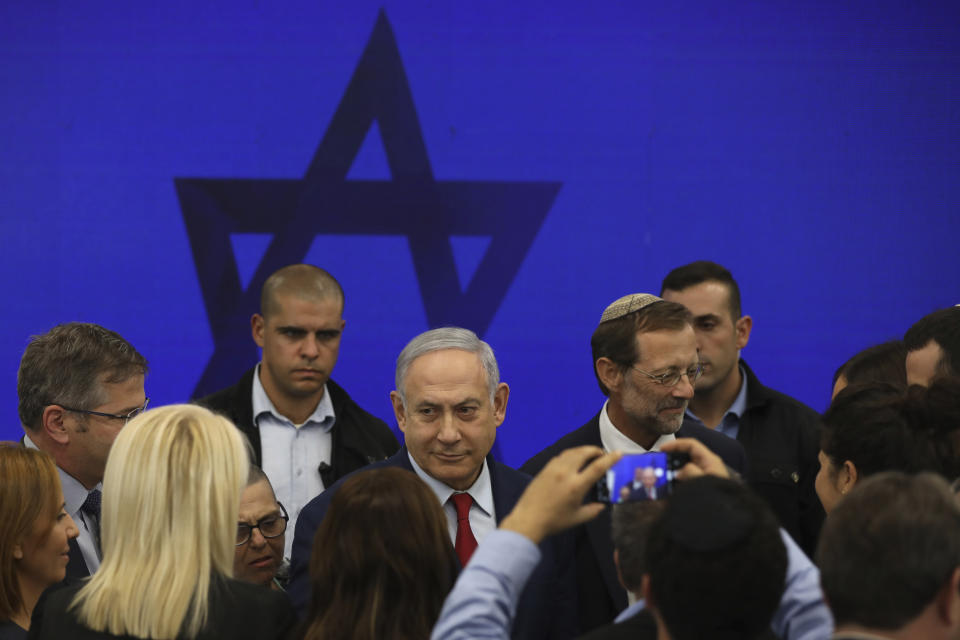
<point>359,438</point>
<point>237,610</point>
<point>546,608</point>
<point>599,594</point>
<point>76,565</point>
<point>781,436</point>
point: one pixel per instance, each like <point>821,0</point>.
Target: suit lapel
<point>76,565</point>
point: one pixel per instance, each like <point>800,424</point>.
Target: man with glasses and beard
<point>646,363</point>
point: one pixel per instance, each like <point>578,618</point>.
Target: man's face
<point>719,336</point>
<point>449,423</point>
<point>649,478</point>
<point>923,364</point>
<point>300,342</point>
<point>653,407</point>
<point>258,559</point>
<point>90,436</point>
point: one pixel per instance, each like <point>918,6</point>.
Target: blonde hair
<point>171,496</point>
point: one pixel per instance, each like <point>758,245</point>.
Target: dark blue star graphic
<point>411,204</point>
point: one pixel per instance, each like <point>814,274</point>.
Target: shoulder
<point>587,434</point>
<point>226,400</point>
<point>766,403</point>
<point>727,448</point>
<point>251,610</point>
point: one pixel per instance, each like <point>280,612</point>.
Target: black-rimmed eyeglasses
<point>126,417</point>
<point>270,527</point>
<point>672,378</point>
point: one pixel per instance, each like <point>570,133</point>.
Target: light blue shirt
<point>483,602</point>
<point>730,424</point>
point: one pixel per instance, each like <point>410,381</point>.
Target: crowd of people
<point>120,521</point>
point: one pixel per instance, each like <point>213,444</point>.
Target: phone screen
<point>637,477</point>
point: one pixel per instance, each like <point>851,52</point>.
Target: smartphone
<point>641,476</point>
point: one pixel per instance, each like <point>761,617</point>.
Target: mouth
<point>262,563</point>
<point>450,457</point>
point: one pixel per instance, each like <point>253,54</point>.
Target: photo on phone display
<point>638,477</point>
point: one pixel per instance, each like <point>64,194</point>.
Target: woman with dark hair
<point>382,562</point>
<point>884,362</point>
<point>880,427</point>
<point>34,536</point>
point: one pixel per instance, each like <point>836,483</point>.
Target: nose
<point>72,530</point>
<point>256,538</point>
<point>449,433</point>
<point>309,348</point>
<point>684,388</point>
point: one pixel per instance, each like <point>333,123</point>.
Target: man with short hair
<point>933,346</point>
<point>889,559</point>
<point>77,386</point>
<point>645,361</point>
<point>305,429</point>
<point>449,402</point>
<point>779,433</point>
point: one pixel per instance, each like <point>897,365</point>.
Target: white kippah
<point>627,304</point>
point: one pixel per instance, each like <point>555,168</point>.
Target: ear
<point>743,327</point>
<point>948,601</point>
<point>609,373</point>
<point>257,324</point>
<point>52,424</point>
<point>500,397</point>
<point>847,477</point>
<point>17,552</point>
<point>399,411</point>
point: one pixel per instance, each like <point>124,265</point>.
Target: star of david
<point>412,204</point>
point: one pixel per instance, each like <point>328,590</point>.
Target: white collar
<point>613,439</point>
<point>481,490</point>
<point>322,415</point>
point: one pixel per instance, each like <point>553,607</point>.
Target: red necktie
<point>466,544</point>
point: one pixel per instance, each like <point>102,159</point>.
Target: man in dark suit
<point>646,362</point>
<point>779,433</point>
<point>77,386</point>
<point>449,402</point>
<point>305,429</point>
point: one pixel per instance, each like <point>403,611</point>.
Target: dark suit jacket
<point>76,565</point>
<point>599,594</point>
<point>359,438</point>
<point>782,439</point>
<point>237,610</point>
<point>546,608</point>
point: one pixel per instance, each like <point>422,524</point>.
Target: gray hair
<point>447,338</point>
<point>69,364</point>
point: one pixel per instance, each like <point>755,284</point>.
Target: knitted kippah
<point>627,304</point>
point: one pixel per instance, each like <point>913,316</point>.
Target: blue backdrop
<point>511,167</point>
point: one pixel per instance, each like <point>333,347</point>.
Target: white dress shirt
<point>482,515</point>
<point>614,440</point>
<point>291,454</point>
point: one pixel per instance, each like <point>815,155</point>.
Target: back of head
<point>382,562</point>
<point>171,494</point>
<point>879,427</point>
<point>879,363</point>
<point>29,493</point>
<point>631,523</point>
<point>716,562</point>
<point>942,327</point>
<point>907,525</point>
<point>303,281</point>
<point>68,364</point>
<point>616,335</point>
<point>695,273</point>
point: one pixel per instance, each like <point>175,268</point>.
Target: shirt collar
<point>74,493</point>
<point>481,490</point>
<point>614,440</point>
<point>322,415</point>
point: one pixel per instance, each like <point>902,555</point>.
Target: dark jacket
<point>546,609</point>
<point>236,610</point>
<point>600,597</point>
<point>359,438</point>
<point>781,436</point>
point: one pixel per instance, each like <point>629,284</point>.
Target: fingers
<point>702,460</point>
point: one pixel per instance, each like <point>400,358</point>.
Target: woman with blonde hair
<point>34,536</point>
<point>171,494</point>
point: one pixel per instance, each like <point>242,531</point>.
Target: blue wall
<point>509,168</point>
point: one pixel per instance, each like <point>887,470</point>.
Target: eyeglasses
<point>672,378</point>
<point>270,527</point>
<point>126,417</point>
